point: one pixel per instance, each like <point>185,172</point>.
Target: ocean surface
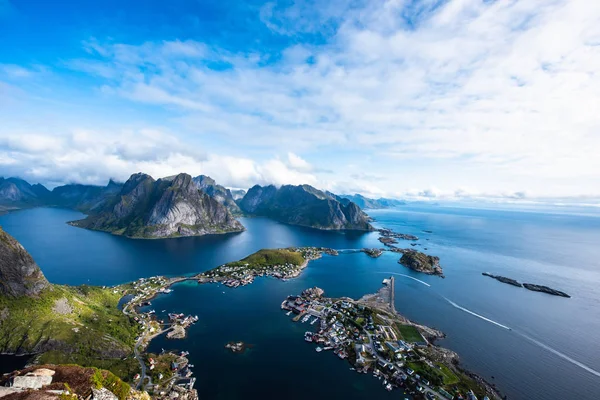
<point>531,345</point>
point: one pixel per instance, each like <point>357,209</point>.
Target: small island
<point>421,262</point>
<point>528,286</point>
<point>545,289</point>
<point>237,347</point>
<point>503,279</point>
<point>373,337</point>
<point>374,253</point>
<point>388,233</point>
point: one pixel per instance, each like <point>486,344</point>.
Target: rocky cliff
<point>169,207</point>
<point>217,192</point>
<point>19,274</point>
<point>304,205</point>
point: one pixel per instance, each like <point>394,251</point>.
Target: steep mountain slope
<point>19,274</point>
<point>15,192</point>
<point>168,207</point>
<point>217,192</point>
<point>304,205</point>
<point>60,323</point>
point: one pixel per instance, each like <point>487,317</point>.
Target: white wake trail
<point>561,355</point>
<point>410,277</point>
<point>477,315</point>
<point>532,340</point>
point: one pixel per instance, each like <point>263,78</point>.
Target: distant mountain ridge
<point>168,207</point>
<point>365,202</point>
<point>183,206</point>
<point>17,193</point>
<point>304,205</point>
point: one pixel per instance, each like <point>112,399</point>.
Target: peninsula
<point>373,337</point>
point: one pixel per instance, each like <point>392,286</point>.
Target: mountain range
<point>306,206</point>
<point>181,205</point>
<point>167,207</point>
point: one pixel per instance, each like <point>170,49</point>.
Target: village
<point>169,374</point>
<point>373,340</point>
<point>282,264</point>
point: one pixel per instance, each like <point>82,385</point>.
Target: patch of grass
<point>409,333</point>
<point>124,369</point>
<point>449,377</point>
<point>94,333</point>
<point>270,257</point>
<point>106,379</point>
<point>162,366</point>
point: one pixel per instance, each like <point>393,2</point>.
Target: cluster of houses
<point>181,383</point>
<point>241,274</point>
<point>351,331</point>
<point>244,274</point>
<point>182,319</point>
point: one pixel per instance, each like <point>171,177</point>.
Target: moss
<point>106,379</point>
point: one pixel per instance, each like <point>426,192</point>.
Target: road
<point>392,295</point>
<point>136,349</point>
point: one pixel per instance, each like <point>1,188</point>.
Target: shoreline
<point>430,335</point>
<point>376,328</point>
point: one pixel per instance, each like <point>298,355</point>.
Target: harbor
<point>370,335</point>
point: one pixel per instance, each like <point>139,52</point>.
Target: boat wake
<point>410,277</point>
<point>477,315</point>
<point>561,355</point>
<point>529,338</point>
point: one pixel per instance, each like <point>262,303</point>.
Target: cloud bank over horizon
<point>433,99</point>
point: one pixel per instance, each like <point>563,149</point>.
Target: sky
<point>398,98</point>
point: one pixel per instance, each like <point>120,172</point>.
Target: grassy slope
<point>95,333</point>
<point>269,257</point>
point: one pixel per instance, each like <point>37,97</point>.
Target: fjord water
<point>549,352</point>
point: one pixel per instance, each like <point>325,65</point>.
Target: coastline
<point>430,335</point>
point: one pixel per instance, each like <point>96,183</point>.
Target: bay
<point>549,352</point>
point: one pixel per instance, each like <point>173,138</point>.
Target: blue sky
<point>427,99</point>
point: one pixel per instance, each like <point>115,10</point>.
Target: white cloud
<point>298,163</point>
<point>498,95</point>
<point>14,71</point>
<point>93,157</point>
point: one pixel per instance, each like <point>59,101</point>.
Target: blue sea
<point>531,345</point>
